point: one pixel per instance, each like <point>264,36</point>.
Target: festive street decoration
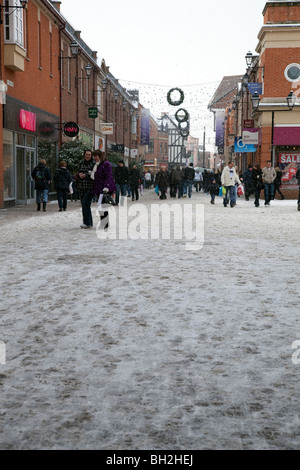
<point>175,103</point>
<point>181,118</point>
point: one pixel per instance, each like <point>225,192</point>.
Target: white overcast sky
<point>170,43</point>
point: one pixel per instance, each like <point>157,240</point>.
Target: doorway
<point>25,163</point>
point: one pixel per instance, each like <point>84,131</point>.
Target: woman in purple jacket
<point>103,181</point>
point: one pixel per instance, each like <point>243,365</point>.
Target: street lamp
<point>6,7</point>
<point>291,101</point>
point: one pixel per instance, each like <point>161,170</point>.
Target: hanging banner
<point>145,126</point>
<point>220,132</point>
<point>99,143</point>
<point>239,147</point>
<point>250,136</point>
<point>107,128</point>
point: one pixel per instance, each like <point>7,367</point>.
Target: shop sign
<point>251,136</point>
<point>93,113</point>
<point>27,120</point>
<point>107,128</point>
<point>119,148</point>
<point>289,158</point>
<point>71,129</point>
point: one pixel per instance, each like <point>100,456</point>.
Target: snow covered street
<point>141,344</point>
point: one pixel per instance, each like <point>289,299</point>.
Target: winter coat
<point>177,176</point>
<point>62,178</point>
<point>85,184</point>
<point>104,179</point>
<point>214,188</point>
<point>189,173</point>
<point>248,177</point>
<point>121,175</point>
<point>134,178</point>
<point>47,175</point>
<point>226,177</point>
<point>268,175</point>
<point>257,179</point>
<point>162,180</point>
<point>277,181</point>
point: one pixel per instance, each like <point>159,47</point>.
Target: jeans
<point>62,196</point>
<point>189,187</point>
<point>86,201</point>
<point>121,189</point>
<point>269,192</point>
<point>230,196</point>
<point>42,194</point>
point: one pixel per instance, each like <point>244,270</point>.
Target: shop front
<point>287,142</point>
<point>29,134</point>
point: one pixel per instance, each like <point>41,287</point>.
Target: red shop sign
<point>27,120</point>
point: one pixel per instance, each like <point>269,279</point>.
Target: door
<point>25,164</point>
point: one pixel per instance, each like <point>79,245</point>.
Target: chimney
<point>56,5</point>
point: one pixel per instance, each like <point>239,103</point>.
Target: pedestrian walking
<point>277,183</point>
<point>162,181</point>
<point>229,179</point>
<point>121,176</point>
<point>85,188</point>
<point>134,181</point>
<point>268,177</point>
<point>62,180</point>
<point>177,181</point>
<point>248,182</point>
<point>213,190</point>
<point>103,183</point>
<point>148,179</point>
<point>42,178</point>
<point>198,180</point>
<point>189,176</point>
<point>257,183</point>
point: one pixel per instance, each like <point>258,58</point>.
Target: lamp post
<point>291,101</point>
<point>104,84</point>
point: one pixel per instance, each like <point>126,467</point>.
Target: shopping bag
<point>240,190</point>
<point>224,191</point>
<point>220,191</point>
<point>156,190</point>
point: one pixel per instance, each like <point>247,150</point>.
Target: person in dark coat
<point>42,177</point>
<point>213,190</point>
<point>85,188</point>
<point>62,180</point>
<point>257,183</point>
<point>134,182</point>
<point>162,181</point>
<point>103,183</point>
<point>177,181</point>
<point>277,183</point>
<point>121,176</point>
<point>248,182</point>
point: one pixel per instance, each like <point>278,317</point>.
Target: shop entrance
<point>25,163</point>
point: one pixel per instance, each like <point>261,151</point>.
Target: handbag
<point>220,191</point>
<point>107,199</point>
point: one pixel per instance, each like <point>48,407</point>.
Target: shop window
<point>8,164</point>
<point>13,23</point>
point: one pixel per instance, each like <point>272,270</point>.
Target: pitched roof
<point>228,85</point>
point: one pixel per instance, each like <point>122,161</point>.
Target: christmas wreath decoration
<point>175,103</point>
<point>182,118</point>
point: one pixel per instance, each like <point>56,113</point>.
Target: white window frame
<point>14,24</point>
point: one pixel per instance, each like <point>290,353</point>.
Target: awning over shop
<point>287,135</point>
